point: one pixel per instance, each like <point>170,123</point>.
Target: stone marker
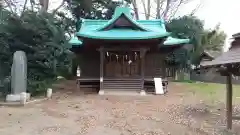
<point>49,93</point>
<point>18,76</point>
<point>19,73</point>
<point>142,93</point>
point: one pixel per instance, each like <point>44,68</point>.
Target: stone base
<point>101,92</point>
<point>16,97</point>
<point>143,93</point>
<point>160,92</point>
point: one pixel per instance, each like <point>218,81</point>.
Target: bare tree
<point>44,5</point>
<point>165,9</point>
<point>24,7</point>
<point>158,10</point>
<point>135,8</point>
<point>144,8</point>
<point>10,5</point>
<point>1,3</point>
<point>196,9</point>
<point>147,8</point>
<point>61,5</point>
<point>165,12</point>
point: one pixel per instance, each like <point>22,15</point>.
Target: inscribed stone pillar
<point>19,73</point>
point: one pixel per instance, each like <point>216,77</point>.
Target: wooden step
<point>122,85</point>
<point>123,93</point>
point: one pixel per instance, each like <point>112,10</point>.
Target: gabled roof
<point>175,41</point>
<point>132,29</point>
<point>122,26</point>
<point>123,13</point>
<point>211,54</point>
<point>74,41</point>
<point>230,57</point>
<point>236,35</point>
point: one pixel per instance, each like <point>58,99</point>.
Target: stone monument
<point>18,77</point>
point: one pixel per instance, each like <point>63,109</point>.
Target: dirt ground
<point>73,113</point>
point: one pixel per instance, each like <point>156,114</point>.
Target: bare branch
<point>158,10</point>
<point>196,9</point>
<point>148,9</point>
<point>32,4</point>
<point>151,15</point>
<point>44,5</point>
<point>24,7</point>
<point>9,5</point>
<point>144,8</point>
<point>167,9</point>
<point>58,7</point>
<point>171,12</point>
<point>135,9</point>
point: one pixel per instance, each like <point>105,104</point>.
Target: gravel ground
<point>73,113</point>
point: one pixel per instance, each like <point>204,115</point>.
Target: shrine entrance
<point>122,64</point>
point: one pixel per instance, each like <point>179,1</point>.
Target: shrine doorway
<point>122,64</point>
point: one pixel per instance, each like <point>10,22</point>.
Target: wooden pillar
<point>142,56</point>
<point>164,66</point>
<point>101,67</point>
<point>229,100</point>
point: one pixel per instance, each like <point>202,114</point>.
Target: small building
<point>208,75</point>
<point>208,56</point>
<point>123,53</point>
<point>227,64</point>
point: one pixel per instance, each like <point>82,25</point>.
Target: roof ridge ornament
<point>122,10</point>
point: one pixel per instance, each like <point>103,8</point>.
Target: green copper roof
<point>143,29</point>
<point>122,34</point>
<point>175,41</point>
<point>120,10</point>
<point>74,41</point>
<point>123,12</point>
<point>122,26</point>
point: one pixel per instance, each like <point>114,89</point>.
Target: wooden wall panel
<point>89,64</point>
<point>154,63</point>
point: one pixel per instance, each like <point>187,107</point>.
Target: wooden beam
<point>101,66</point>
<point>229,100</point>
<point>142,56</point>
<point>164,66</point>
<point>122,49</point>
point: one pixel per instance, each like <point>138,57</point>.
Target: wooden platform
<point>98,79</point>
<point>87,82</point>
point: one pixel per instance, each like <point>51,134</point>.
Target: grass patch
<point>184,81</point>
<point>211,91</point>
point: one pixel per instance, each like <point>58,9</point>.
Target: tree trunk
<point>165,13</point>
<point>24,7</point>
<point>44,5</point>
<point>158,10</point>
<point>55,11</point>
<point>148,9</point>
<point>144,8</point>
<point>135,9</point>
